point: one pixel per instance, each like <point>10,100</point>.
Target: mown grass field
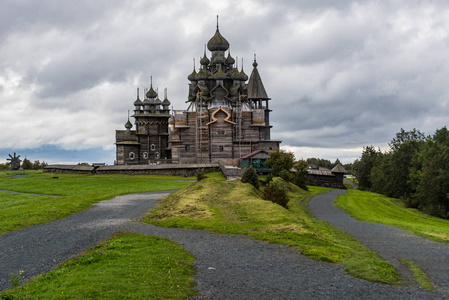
<point>376,208</point>
<point>127,266</point>
<point>236,208</point>
<point>74,193</point>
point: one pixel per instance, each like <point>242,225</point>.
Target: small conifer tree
<point>275,193</point>
<point>250,176</point>
<point>200,174</point>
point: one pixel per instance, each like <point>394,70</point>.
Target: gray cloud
<point>342,74</point>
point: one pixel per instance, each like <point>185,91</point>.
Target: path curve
<point>229,266</point>
<point>389,242</point>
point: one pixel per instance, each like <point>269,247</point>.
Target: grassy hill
<point>232,207</point>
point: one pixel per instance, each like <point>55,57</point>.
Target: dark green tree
<point>301,167</point>
<point>280,160</point>
<point>27,164</point>
<point>276,193</point>
<point>250,176</point>
<point>433,187</point>
<point>320,162</point>
<point>364,165</point>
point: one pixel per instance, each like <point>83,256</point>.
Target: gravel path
<point>229,267</point>
<point>389,242</point>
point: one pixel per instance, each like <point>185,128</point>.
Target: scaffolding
<point>239,133</point>
<point>199,127</point>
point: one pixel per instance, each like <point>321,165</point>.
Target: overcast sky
<point>341,74</point>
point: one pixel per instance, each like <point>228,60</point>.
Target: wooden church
<point>227,117</point>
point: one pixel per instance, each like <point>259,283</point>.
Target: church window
<point>156,155</point>
<point>131,155</point>
<point>187,147</point>
<point>153,147</point>
<point>145,155</point>
<point>220,132</point>
<point>221,148</point>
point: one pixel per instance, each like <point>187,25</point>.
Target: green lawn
<point>75,193</point>
<point>4,173</point>
<point>236,208</point>
<point>376,208</point>
<point>127,266</point>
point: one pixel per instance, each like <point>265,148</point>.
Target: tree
<point>301,167</point>
<point>26,164</point>
<point>280,160</point>
<point>276,193</point>
<point>319,162</point>
<point>250,176</point>
<point>363,167</point>
<point>433,187</point>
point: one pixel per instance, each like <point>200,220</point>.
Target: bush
<point>287,176</point>
<point>250,176</point>
<point>200,174</point>
<point>275,193</point>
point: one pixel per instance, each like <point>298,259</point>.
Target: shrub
<point>301,181</point>
<point>200,174</point>
<point>275,193</point>
<point>287,176</point>
<point>250,176</point>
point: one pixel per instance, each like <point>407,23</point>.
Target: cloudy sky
<point>341,74</point>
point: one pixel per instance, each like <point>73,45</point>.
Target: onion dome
<point>218,59</point>
<point>192,76</point>
<point>151,93</point>
<point>220,75</point>
<point>138,102</point>
<point>235,74</point>
<point>218,42</point>
<point>204,61</point>
<point>157,101</point>
<point>229,60</point>
<point>201,75</point>
<point>128,125</point>
<point>243,76</point>
<point>146,102</point>
<point>255,64</point>
<point>166,102</point>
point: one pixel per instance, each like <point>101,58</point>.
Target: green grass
<point>4,173</point>
<point>76,193</point>
<point>127,266</point>
<point>418,274</point>
<point>236,208</point>
<point>376,208</point>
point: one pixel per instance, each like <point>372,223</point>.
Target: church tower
<point>226,117</point>
<point>149,142</point>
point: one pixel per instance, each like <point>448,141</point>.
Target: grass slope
<point>376,208</point>
<point>76,193</point>
<point>127,266</point>
<point>236,208</point>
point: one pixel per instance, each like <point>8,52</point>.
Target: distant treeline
<point>26,164</point>
<point>325,163</point>
<point>415,169</point>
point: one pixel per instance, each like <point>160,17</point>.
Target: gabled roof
<point>256,90</point>
<point>338,169</point>
<point>253,154</point>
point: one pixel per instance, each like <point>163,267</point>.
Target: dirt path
<point>229,267</point>
<point>389,242</point>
